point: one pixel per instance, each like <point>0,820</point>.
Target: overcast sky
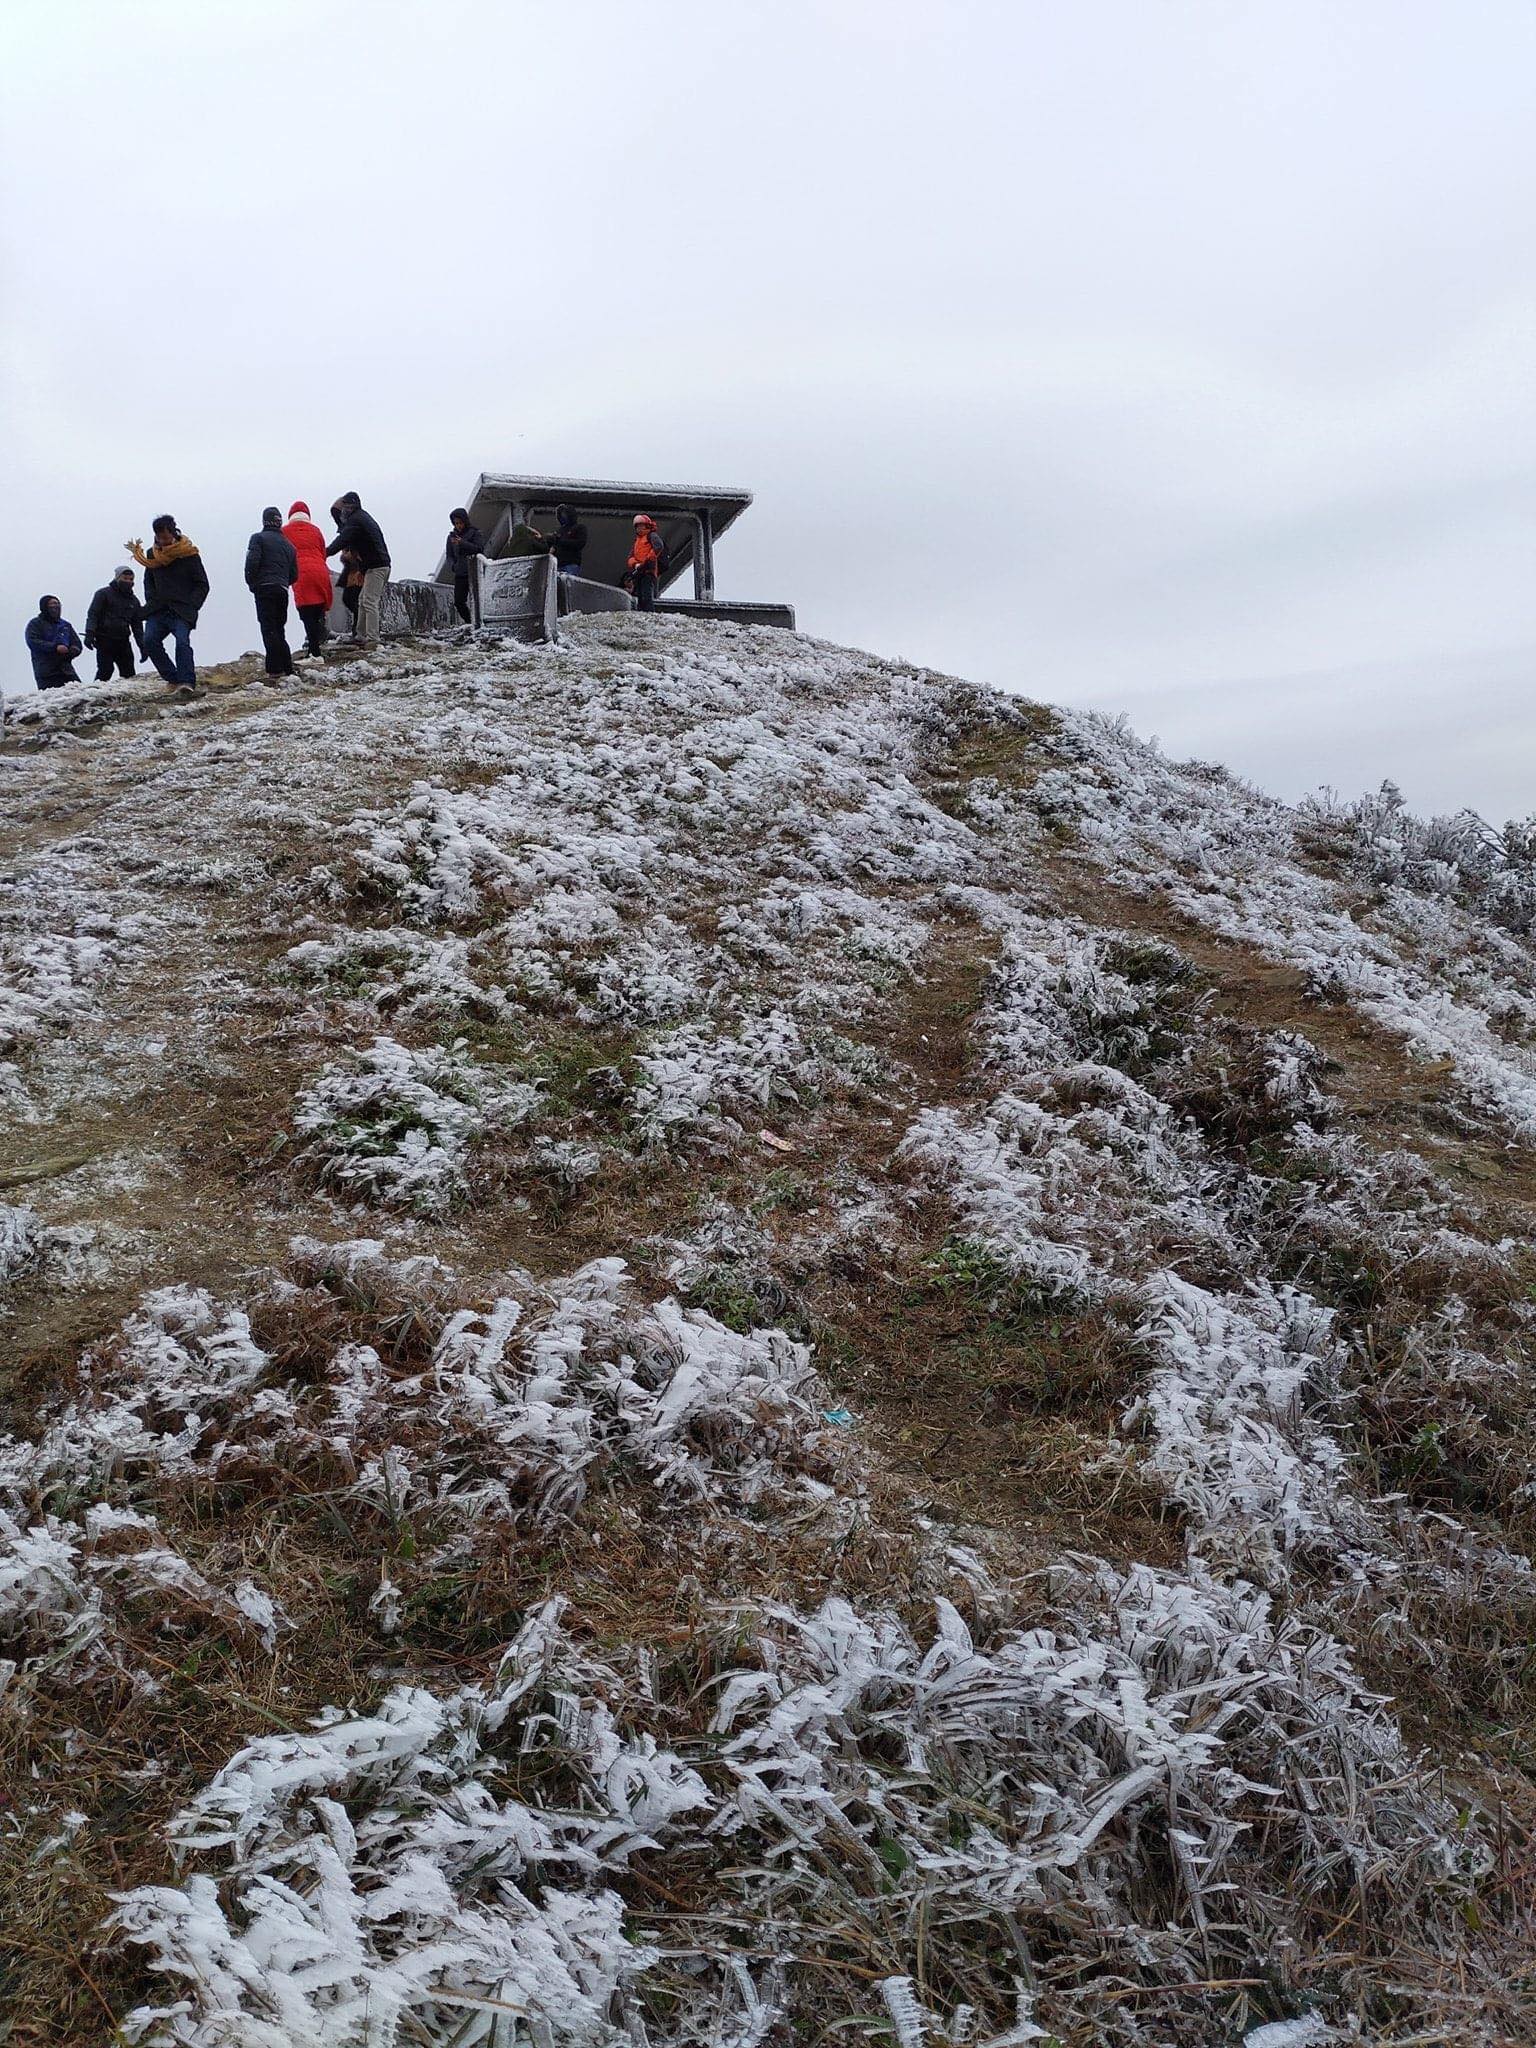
<point>1166,356</point>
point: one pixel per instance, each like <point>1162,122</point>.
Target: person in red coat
<point>312,590</point>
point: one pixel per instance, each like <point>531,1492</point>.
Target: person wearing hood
<point>647,561</point>
<point>312,592</point>
<point>53,644</point>
<point>570,541</point>
<point>114,626</point>
<point>271,569</point>
<point>359,535</point>
<point>464,542</point>
<point>175,591</point>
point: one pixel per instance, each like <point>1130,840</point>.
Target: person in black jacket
<point>175,591</point>
<point>271,569</point>
<point>358,533</point>
<point>53,644</point>
<point>570,541</point>
<point>114,626</point>
<point>463,544</point>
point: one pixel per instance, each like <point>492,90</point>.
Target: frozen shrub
<point>19,1237</point>
<point>694,1081</point>
<point>1160,1738</point>
<point>398,1125</point>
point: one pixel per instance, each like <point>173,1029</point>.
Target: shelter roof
<point>597,494</point>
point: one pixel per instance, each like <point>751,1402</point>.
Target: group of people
<point>643,572</point>
<point>288,559</point>
<point>283,560</point>
<point>292,556</point>
<point>568,543</point>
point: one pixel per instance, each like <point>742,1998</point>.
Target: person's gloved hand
<point>90,640</point>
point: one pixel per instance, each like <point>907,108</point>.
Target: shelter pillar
<point>703,557</point>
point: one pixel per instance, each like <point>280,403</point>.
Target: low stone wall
<point>742,614</point>
<point>408,606</point>
<point>584,594</point>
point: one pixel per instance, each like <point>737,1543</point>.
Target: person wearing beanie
<point>114,626</point>
<point>463,544</point>
<point>312,591</point>
<point>271,569</point>
<point>175,591</point>
<point>53,644</point>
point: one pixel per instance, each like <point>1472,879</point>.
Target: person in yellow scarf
<point>175,591</point>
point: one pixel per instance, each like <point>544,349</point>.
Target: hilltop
<point>709,1341</point>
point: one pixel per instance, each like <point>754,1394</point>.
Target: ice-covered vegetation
<point>398,1124</point>
<point>717,1343</point>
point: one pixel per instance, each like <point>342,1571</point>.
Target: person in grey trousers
<point>271,566</point>
<point>359,534</point>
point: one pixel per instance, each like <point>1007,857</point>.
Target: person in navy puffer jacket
<point>53,644</point>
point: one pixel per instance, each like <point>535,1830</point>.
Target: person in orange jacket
<point>312,592</point>
<point>647,561</point>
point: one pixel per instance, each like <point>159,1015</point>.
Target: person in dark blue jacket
<point>271,570</point>
<point>53,644</point>
<point>464,542</point>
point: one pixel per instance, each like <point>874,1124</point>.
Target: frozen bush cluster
<point>1492,873</point>
<point>77,1544</point>
<point>1068,1189</point>
<point>964,1787</point>
<point>694,1079</point>
<point>403,971</point>
<point>19,1232</point>
<point>1442,978</point>
<point>397,1125</point>
<point>46,981</point>
<point>524,1403</point>
<point>1232,1407</point>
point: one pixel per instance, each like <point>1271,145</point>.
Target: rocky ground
<point>707,1341</point>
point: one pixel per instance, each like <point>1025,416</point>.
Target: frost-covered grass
<point>863,1787</point>
<point>1449,982</point>
<point>45,981</point>
<point>445,1652</point>
<point>398,1124</point>
<point>77,1538</point>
